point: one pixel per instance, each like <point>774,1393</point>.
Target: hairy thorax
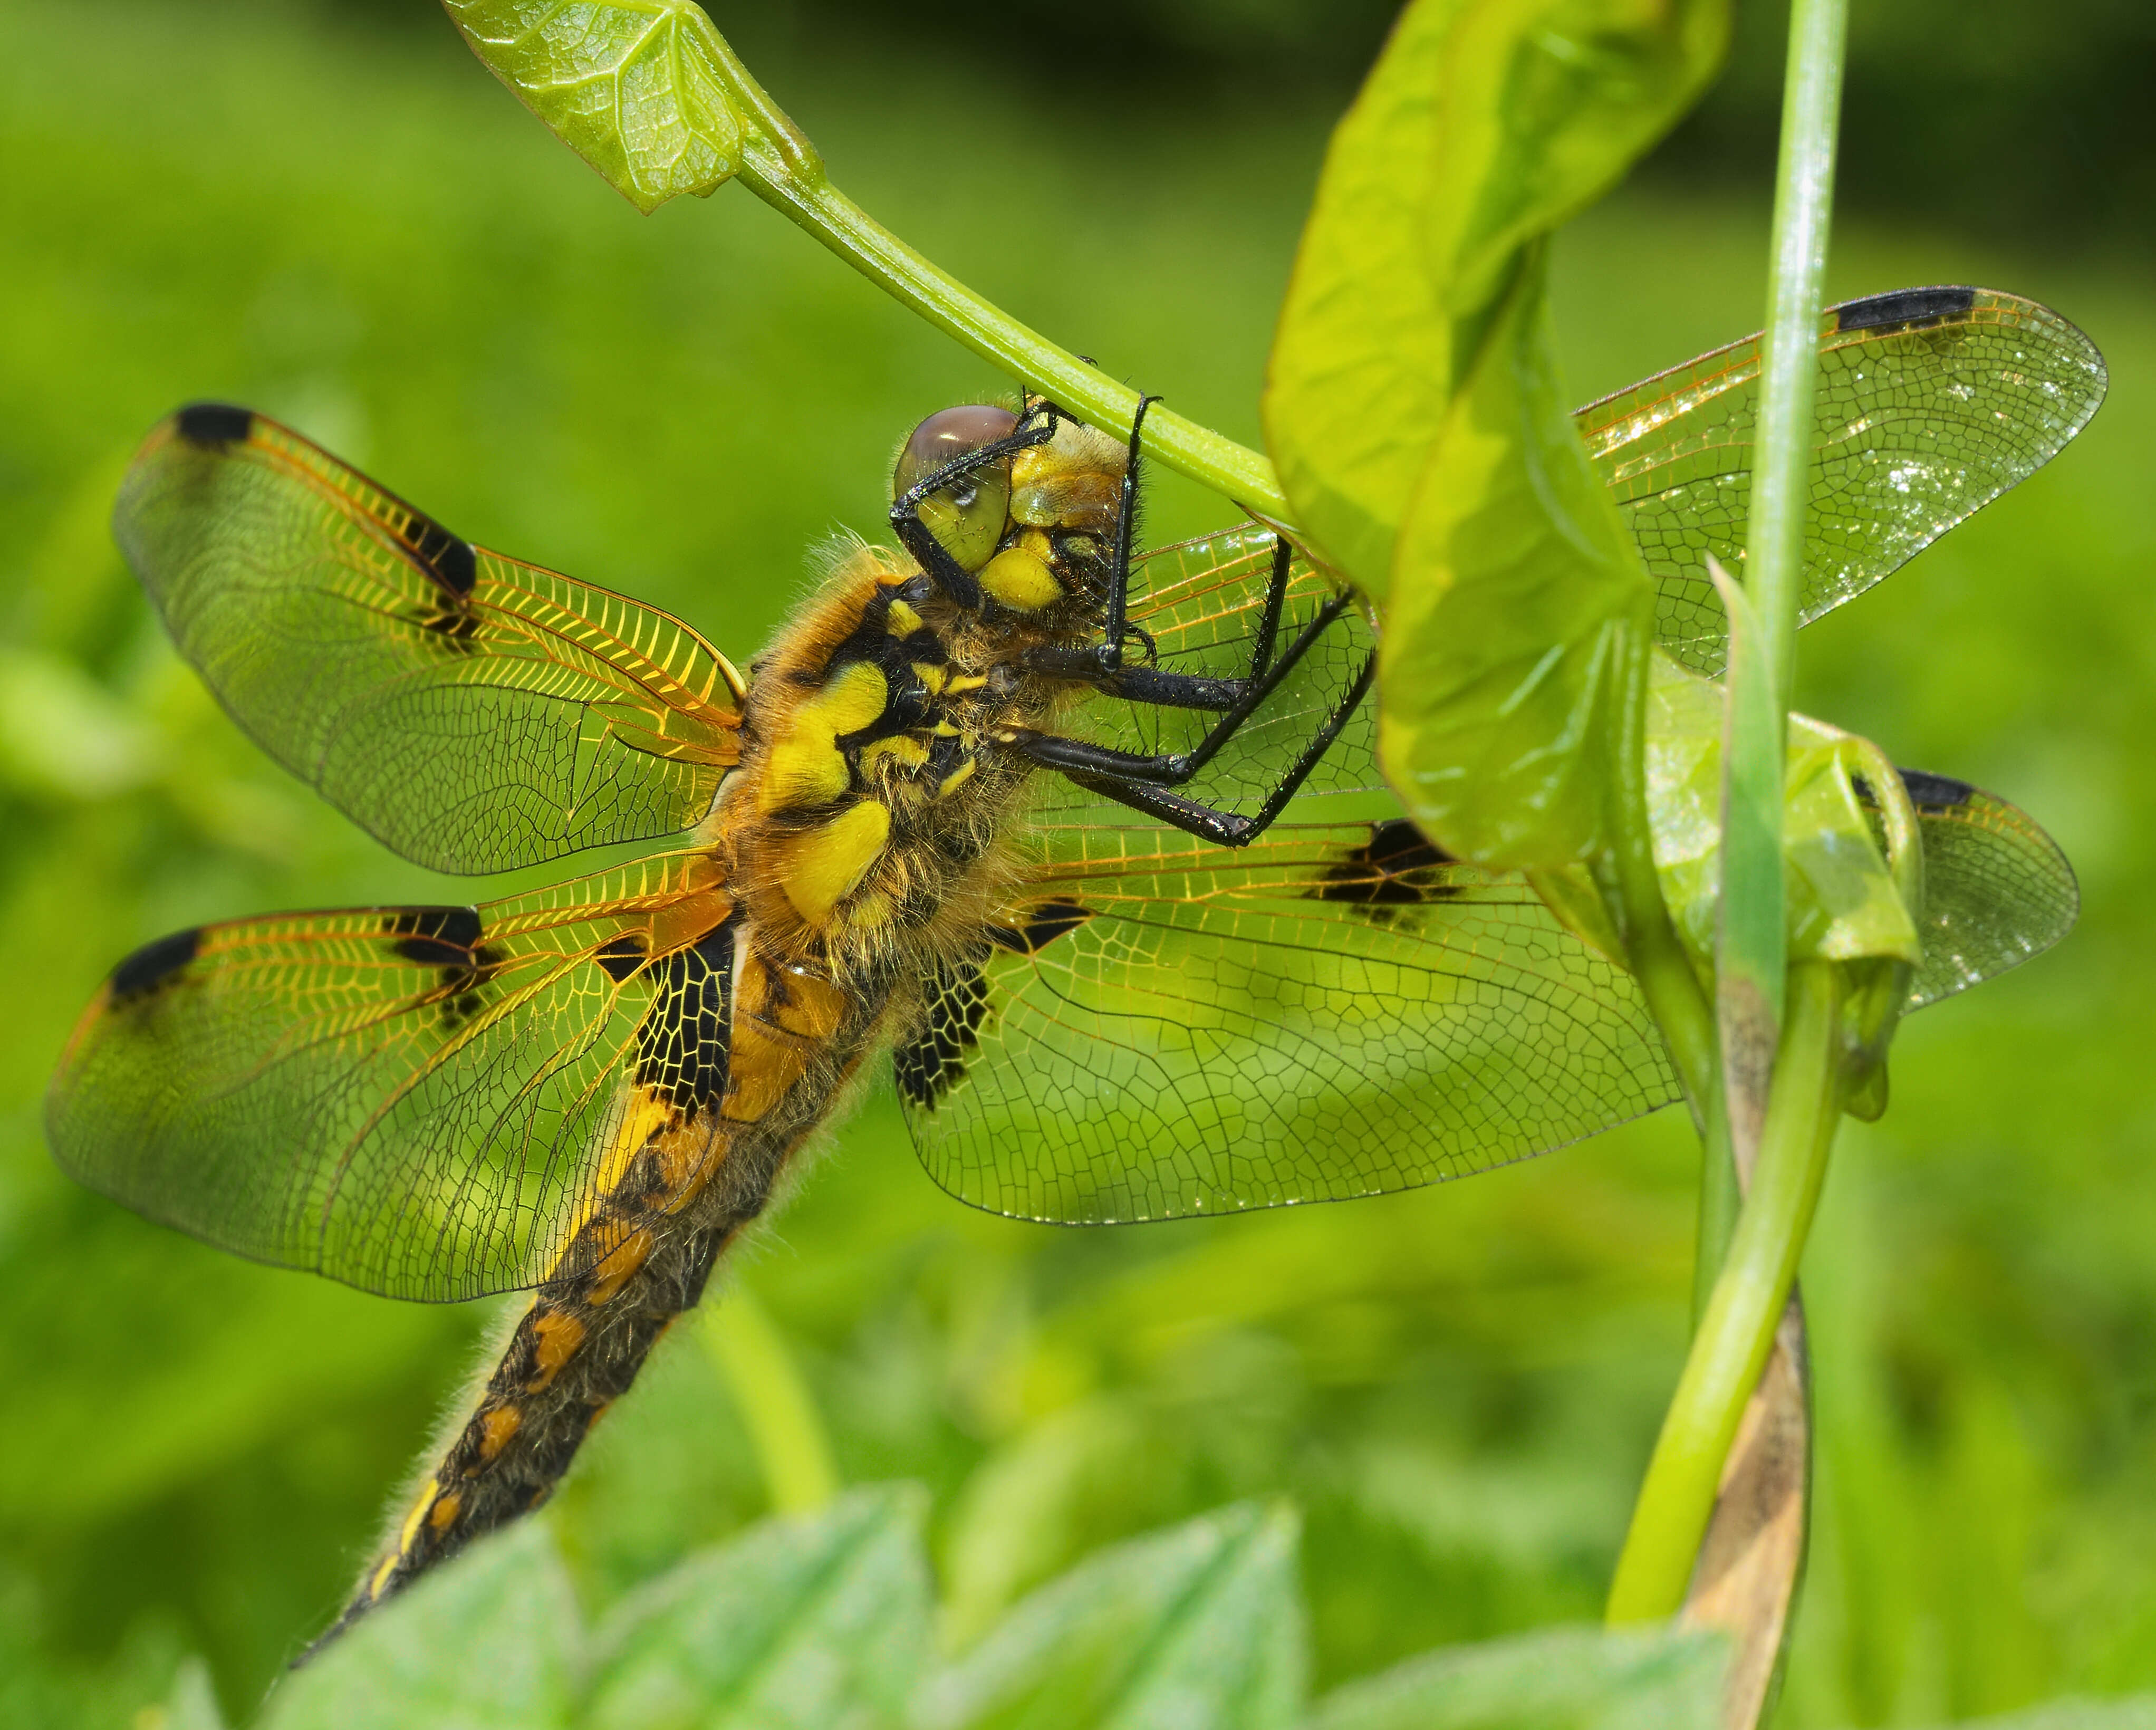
<point>863,831</point>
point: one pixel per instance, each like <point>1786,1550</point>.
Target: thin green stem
<point>798,188</point>
<point>1719,1200</point>
<point>1751,959</point>
<point>1652,949</point>
<point>1804,197</point>
<point>1736,1332</point>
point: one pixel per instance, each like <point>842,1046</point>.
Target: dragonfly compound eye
<point>968,515</point>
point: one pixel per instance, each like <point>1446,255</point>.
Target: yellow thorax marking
<point>818,868</point>
<point>806,768</point>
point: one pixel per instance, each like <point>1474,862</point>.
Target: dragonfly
<point>1089,842</point>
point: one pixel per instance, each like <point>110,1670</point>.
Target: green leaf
<point>639,88</point>
<point>821,1623</point>
<point>1563,1679</point>
<point>1518,597</point>
<point>1484,125</point>
<point>1842,901</point>
<point>193,1704</point>
<point>1197,1627</point>
<point>489,1642</point>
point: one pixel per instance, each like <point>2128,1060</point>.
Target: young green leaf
<point>1843,903</point>
<point>1484,125</point>
<point>490,1642</point>
<point>639,88</point>
<point>1199,1627</point>
<point>1516,598</point>
<point>1560,1679</point>
<point>821,1623</point>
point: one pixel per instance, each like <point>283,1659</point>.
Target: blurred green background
<point>333,214</point>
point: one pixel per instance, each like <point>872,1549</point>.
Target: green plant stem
<point>1736,1332</point>
<point>1719,1201</point>
<point>775,1405</point>
<point>1652,948</point>
<point>801,191</point>
<point>1751,958</point>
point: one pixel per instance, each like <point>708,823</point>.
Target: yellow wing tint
<point>1931,402</point>
<point>1163,1029</point>
<point>473,712</point>
<point>420,1101</point>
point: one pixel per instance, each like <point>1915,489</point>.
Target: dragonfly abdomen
<point>743,1057</point>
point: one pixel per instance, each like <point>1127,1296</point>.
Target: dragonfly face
<point>1093,845</point>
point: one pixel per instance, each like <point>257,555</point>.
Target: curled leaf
<point>642,89</point>
<point>1484,125</point>
<point>1516,598</point>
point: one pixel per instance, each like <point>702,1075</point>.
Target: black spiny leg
<point>1102,664</point>
<point>1174,769</point>
<point>1226,828</point>
<point>953,579</point>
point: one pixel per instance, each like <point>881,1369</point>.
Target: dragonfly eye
<point>969,515</point>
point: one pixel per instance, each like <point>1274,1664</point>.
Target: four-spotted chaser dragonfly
<point>1198,965</point>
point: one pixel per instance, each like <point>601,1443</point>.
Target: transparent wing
<point>473,713</point>
<point>1931,402</point>
<point>1997,889</point>
<point>418,1101</point>
<point>1163,1028</point>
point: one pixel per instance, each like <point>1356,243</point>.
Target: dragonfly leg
<point>1167,690</point>
<point>1174,769</point>
<point>953,579</point>
<point>1102,664</point>
<point>1226,828</point>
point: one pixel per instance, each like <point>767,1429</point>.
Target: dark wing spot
<point>439,937</point>
<point>154,964</point>
<point>682,1046</point>
<point>208,423</point>
<point>1904,307</point>
<point>451,561</point>
<point>622,956</point>
<point>1935,792</point>
<point>927,1065</point>
<point>1040,924</point>
<point>1392,869</point>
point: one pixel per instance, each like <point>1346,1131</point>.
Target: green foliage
<point>639,91</point>
<point>822,1624</point>
<point>1843,903</point>
<point>1483,126</point>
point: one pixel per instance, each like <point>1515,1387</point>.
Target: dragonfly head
<point>968,516</point>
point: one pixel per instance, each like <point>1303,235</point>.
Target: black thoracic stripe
<point>1904,307</point>
<point>154,964</point>
<point>207,423</point>
<point>681,1048</point>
